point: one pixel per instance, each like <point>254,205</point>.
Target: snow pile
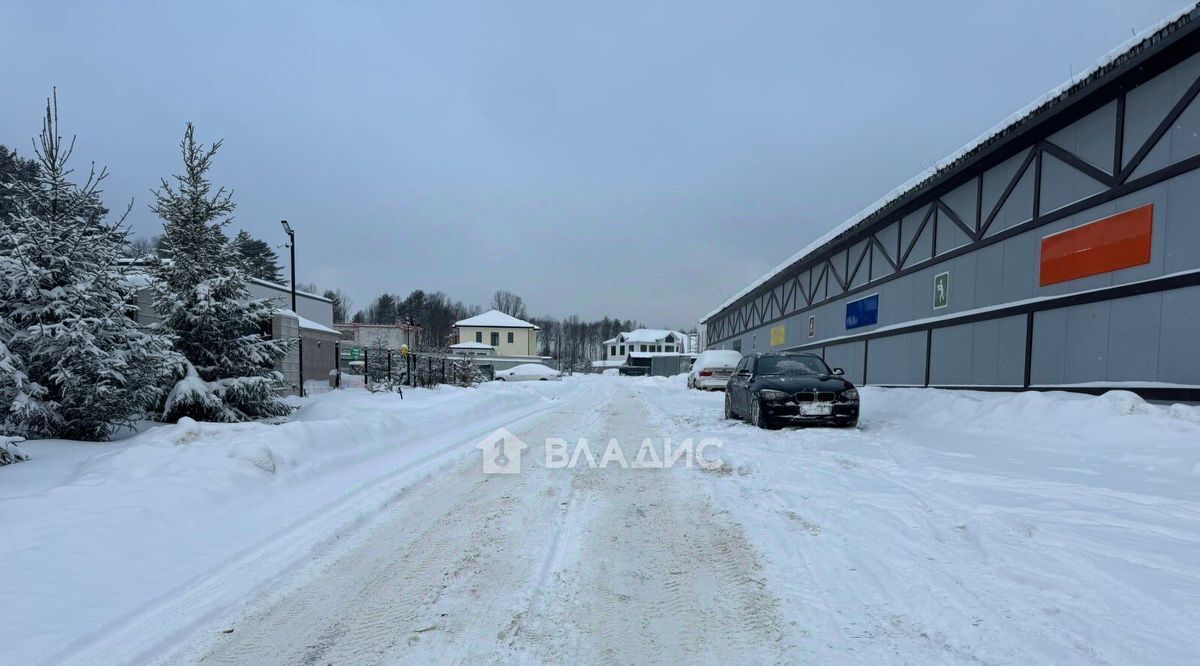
<point>1049,412</point>
<point>1036,527</point>
<point>728,461</point>
<point>10,452</point>
<point>98,537</point>
<point>674,381</point>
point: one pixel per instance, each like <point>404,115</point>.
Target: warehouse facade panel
<point>1061,252</point>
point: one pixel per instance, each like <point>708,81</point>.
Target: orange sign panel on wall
<point>1109,244</point>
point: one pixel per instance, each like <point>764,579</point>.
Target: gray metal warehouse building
<point>1061,250</point>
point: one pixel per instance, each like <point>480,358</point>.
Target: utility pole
<point>299,332</point>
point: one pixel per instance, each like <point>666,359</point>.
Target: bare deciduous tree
<point>509,303</point>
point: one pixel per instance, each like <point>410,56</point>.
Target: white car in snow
<point>713,369</point>
<point>528,372</point>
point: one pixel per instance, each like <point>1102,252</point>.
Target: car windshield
<point>791,365</point>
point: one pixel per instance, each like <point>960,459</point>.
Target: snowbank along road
<point>950,527</point>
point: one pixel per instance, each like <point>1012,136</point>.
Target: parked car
<point>712,369</point>
<point>771,388</point>
<point>528,372</point>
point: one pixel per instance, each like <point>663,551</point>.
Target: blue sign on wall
<point>863,312</point>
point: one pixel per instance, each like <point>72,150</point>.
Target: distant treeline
<point>568,339</point>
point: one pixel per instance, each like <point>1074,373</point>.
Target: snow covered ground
<point>957,527</point>
<point>115,551</point>
<point>951,527</point>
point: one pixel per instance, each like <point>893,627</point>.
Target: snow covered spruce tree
<point>75,362</point>
<point>13,385</point>
<point>261,260</point>
<point>464,372</point>
<point>200,292</point>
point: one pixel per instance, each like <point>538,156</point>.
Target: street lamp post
<point>299,334</point>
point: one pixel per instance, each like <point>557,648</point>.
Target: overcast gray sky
<point>633,159</point>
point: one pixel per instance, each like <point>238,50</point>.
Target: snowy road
<point>950,528</point>
<point>595,565</point>
<point>945,530</point>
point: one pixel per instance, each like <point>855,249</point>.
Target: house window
<point>510,337</point>
<point>612,351</point>
<point>622,350</point>
<point>643,347</point>
<point>495,339</point>
<point>478,336</point>
<point>670,348</point>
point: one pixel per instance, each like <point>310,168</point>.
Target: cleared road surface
<point>598,565</point>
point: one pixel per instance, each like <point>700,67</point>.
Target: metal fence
<point>666,366</point>
<point>390,367</point>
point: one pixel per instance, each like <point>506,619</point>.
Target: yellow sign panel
<point>778,335</point>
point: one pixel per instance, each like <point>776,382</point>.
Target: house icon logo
<point>501,452</point>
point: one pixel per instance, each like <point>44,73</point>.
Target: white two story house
<point>641,343</point>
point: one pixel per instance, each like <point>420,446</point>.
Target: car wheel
<point>756,416</point>
<point>542,379</point>
<point>729,407</point>
<point>499,379</point>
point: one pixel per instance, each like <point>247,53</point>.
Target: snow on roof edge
<point>287,289</point>
<point>141,278</point>
<point>1030,110</point>
<point>495,319</point>
<point>307,323</point>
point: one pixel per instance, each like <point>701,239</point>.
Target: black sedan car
<point>772,388</point>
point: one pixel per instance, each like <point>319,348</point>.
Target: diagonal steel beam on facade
<point>1012,185</point>
<point>1162,129</point>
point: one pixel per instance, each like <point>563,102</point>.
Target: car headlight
<point>850,394</point>
<point>772,394</point>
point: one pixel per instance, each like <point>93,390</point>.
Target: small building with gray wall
<point>312,325</point>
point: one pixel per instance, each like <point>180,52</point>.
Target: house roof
<point>141,278</point>
<point>495,319</point>
<point>287,289</point>
<point>308,324</point>
<point>981,144</point>
<point>349,325</point>
<point>646,335</point>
